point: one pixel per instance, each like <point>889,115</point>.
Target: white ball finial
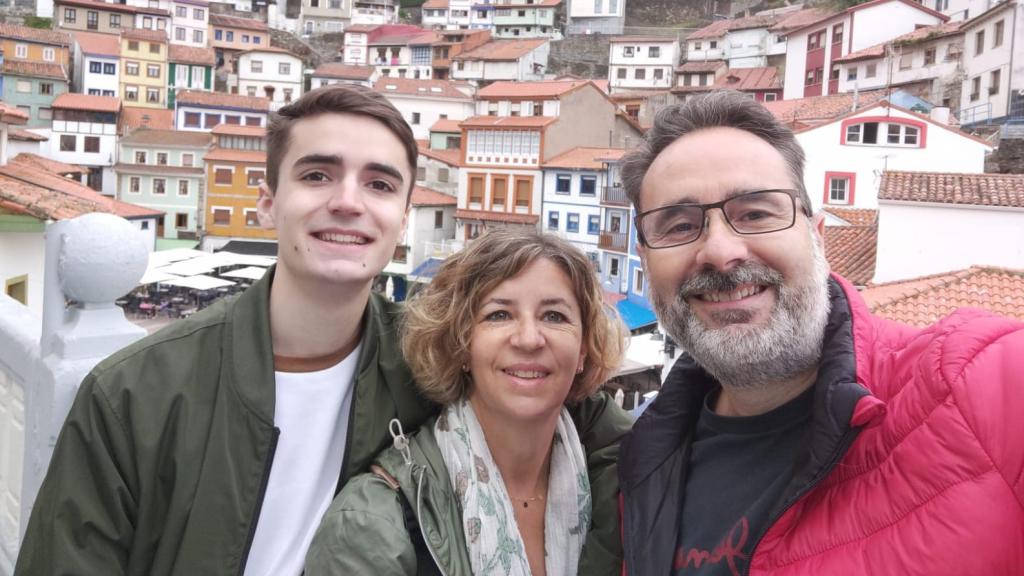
<point>102,258</point>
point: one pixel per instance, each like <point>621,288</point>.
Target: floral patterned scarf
<point>488,520</point>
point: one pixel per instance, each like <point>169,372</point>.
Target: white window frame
<point>213,215</point>
<point>845,200</point>
<point>221,167</point>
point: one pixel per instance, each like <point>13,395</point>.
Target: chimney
<point>940,114</point>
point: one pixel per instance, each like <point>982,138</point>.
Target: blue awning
<point>425,272</point>
<point>635,315</point>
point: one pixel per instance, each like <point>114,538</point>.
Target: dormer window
<point>884,132</point>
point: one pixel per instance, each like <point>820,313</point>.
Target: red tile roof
<point>851,252</point>
<point>222,100</point>
<point>192,55</point>
<point>48,196</point>
<point>38,35</point>
<point>133,117</point>
<point>537,89</point>
<point>869,53</point>
<point>111,7</point>
<point>923,34</point>
<point>422,196</point>
<point>421,88</point>
<point>501,50</point>
<point>508,121</point>
<point>98,44</point>
<point>449,157</point>
<point>815,110</point>
<point>923,301</point>
<point>234,22</point>
<point>435,5</point>
<point>11,114</point>
<point>488,216</point>
<point>53,166</point>
<point>24,135</point>
<point>854,216</point>
<point>153,137</point>
<point>269,50</point>
<point>705,66</point>
<point>802,18</point>
<point>144,34</point>
<point>624,39</point>
<point>446,125</point>
<point>239,130</point>
<point>1002,190</point>
<point>74,101</point>
<point>585,158</point>
<point>229,155</point>
<point>750,79</point>
<point>719,28</point>
<point>35,69</point>
<point>344,71</point>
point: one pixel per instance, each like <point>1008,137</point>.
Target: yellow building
<point>144,68</point>
<point>234,169</point>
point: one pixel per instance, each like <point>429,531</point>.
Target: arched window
<point>884,131</point>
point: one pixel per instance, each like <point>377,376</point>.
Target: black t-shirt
<point>737,470</point>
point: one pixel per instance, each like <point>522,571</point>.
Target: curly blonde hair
<point>439,320</point>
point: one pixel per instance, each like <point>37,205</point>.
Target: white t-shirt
<point>312,413</point>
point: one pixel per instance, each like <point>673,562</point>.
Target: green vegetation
<point>39,22</point>
<point>411,3</point>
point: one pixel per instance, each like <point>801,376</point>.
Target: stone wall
<point>584,56</point>
<point>1008,158</point>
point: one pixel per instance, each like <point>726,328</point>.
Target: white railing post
<point>90,261</point>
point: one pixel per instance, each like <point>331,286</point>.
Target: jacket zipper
<point>259,499</point>
<point>426,541</point>
<point>844,444</point>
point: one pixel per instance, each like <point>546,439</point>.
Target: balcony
<point>618,241</point>
<point>614,195</point>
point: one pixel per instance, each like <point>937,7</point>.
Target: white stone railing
<point>90,261</point>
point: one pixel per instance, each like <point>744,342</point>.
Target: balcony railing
<point>442,249</point>
<point>614,195</point>
<point>618,241</point>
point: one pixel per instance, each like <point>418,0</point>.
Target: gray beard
<point>740,355</point>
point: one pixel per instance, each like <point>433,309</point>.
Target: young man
<point>214,446</point>
<point>801,434</point>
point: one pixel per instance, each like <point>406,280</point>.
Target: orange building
<point>235,166</point>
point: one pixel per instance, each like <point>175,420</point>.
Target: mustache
<point>712,280</point>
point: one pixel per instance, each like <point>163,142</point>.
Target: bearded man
<point>800,434</point>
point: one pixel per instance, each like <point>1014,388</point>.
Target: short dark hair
<point>721,108</point>
<point>336,99</point>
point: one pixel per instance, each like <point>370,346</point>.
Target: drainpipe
<point>1009,85</point>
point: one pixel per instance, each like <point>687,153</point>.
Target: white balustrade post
<point>90,261</point>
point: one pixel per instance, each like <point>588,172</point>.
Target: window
<point>659,73</point>
<point>218,34</point>
<point>254,177</point>
<point>197,36</point>
<point>69,15</point>
<point>133,45</point>
<point>906,60</point>
<point>929,56</point>
<point>222,216</point>
<point>287,95</point>
<point>613,267</point>
<point>153,70</point>
<point>476,189</point>
<point>442,175</point>
<point>255,39</point>
<point>621,74</point>
<point>212,120</point>
<point>131,93</point>
<point>979,42</point>
<point>46,88</point>
<point>770,96</point>
<point>95,67</point>
<point>994,81</point>
<point>131,68</point>
<point>640,74</point>
<point>837,33</point>
<point>284,68</point>
<point>593,224</point>
<point>181,11</point>
<point>230,35</point>
<point>147,22</point>
<point>192,119</point>
<point>45,113</point>
<point>108,93</point>
<point>851,74</point>
<point>421,173</point>
<point>48,54</point>
<point>870,70</point>
<point>698,46</point>
<point>134,184</point>
<point>653,51</point>
<point>159,186</point>
<point>562,183</point>
<point>712,44</point>
<point>997,35</point>
<point>67,142</point>
<point>92,144</point>
<point>222,176</point>
<point>552,220</point>
<point>161,158</point>
<point>975,87</point>
<point>638,281</point>
<point>179,34</point>
<point>572,223</point>
<point>154,48</point>
<point>834,72</point>
<point>109,68</point>
<point>181,219</point>
<point>839,189</point>
<point>252,121</point>
<point>251,218</point>
<point>92,20</point>
<point>499,191</point>
<point>256,66</point>
<point>250,91</point>
<point>232,119</point>
<point>415,118</point>
<point>198,14</point>
<point>628,51</point>
<point>438,219</point>
<point>153,95</point>
<point>524,188</point>
<point>588,185</point>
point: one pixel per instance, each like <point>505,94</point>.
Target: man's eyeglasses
<point>758,212</point>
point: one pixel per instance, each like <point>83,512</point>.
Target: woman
<point>510,330</point>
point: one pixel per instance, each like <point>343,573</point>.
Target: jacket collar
<point>669,420</point>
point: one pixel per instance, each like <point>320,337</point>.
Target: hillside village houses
<point>97,61</point>
<point>430,228</point>
<point>503,60</point>
<point>992,63</point>
<point>201,111</point>
<point>235,166</point>
<point>144,74</point>
<point>107,18</point>
<point>84,133</point>
<point>190,22</point>
<point>447,14</point>
<point>273,73</point>
<point>338,73</point>
<point>424,102</point>
<point>595,17</point>
<point>324,16</point>
<point>231,35</point>
<point>642,63</point>
<point>189,68</point>
<point>35,64</point>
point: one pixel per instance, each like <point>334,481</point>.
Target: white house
<point>190,22</point>
<point>338,73</point>
<point>526,19</point>
<point>97,63</point>
<point>447,14</point>
<point>993,65</point>
<point>374,11</point>
<point>595,16</point>
<point>201,111</point>
<point>812,49</point>
<point>960,10</point>
<point>431,224</point>
<point>925,61</point>
<point>742,42</point>
<point>573,185</point>
<point>847,155</point>
<point>424,102</point>
<point>406,54</point>
<point>932,222</point>
<point>516,60</point>
<point>274,73</point>
<point>85,133</point>
<point>438,167</point>
<point>642,63</point>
